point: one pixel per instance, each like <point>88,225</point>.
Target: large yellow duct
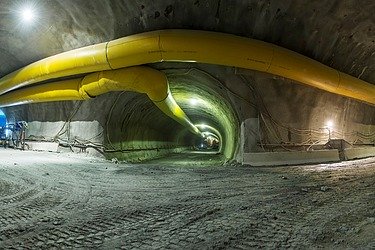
<point>191,46</point>
<point>138,79</point>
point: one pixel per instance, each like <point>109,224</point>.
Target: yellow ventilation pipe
<point>191,46</point>
<point>138,79</point>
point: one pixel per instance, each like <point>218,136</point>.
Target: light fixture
<point>194,101</point>
<point>27,14</point>
<point>329,124</point>
<point>202,125</point>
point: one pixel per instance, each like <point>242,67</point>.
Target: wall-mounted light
<point>329,127</point>
<point>329,124</point>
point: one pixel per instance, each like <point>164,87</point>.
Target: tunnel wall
<point>289,113</point>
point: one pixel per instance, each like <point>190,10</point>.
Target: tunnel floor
<point>50,200</point>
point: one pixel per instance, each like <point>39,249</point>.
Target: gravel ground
<point>50,200</point>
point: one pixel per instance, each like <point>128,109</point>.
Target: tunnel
<point>194,124</point>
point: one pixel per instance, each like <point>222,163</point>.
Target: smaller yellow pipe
<point>56,91</point>
<point>138,79</point>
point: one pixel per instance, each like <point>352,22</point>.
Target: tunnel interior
<point>187,124</point>
<point>239,110</point>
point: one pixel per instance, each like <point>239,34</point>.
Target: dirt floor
<point>50,200</point>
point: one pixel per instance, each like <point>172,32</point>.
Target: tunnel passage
<point>50,200</point>
<point>206,102</point>
<point>137,130</point>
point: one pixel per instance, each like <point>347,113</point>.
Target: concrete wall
<point>290,158</point>
<point>357,153</point>
<point>80,130</point>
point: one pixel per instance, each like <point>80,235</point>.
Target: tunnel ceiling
<point>338,33</point>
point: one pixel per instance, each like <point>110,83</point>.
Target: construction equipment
<point>13,135</point>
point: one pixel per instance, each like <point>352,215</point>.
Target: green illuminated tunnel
<point>136,130</point>
<point>206,101</point>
